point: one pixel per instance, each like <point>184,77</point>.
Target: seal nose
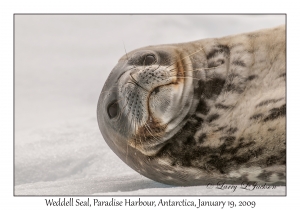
<point>133,77</point>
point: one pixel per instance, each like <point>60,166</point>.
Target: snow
<point>61,64</point>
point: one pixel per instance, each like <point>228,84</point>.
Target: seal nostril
<point>112,109</point>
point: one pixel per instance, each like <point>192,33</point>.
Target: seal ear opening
<point>112,109</point>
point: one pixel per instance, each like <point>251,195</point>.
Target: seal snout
<point>146,104</point>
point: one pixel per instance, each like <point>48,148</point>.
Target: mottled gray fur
<point>212,109</point>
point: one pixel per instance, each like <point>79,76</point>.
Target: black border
<point>70,196</point>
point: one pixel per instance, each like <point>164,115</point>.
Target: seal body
<point>208,110</point>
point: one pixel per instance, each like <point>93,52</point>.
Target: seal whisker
<point>134,128</point>
<point>125,51</point>
<point>139,138</point>
<point>195,70</point>
<point>188,77</point>
<point>117,101</point>
<point>134,82</point>
<point>127,151</point>
<point>172,70</point>
<point>145,138</point>
<point>201,69</point>
<point>184,57</point>
<point>121,111</point>
<point>126,115</point>
<point>149,130</point>
<point>132,125</point>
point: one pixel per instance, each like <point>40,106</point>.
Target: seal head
<point>208,110</point>
<point>145,101</point>
<point>146,98</point>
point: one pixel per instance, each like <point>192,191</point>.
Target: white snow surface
<point>61,64</point>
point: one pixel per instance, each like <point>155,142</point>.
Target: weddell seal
<point>207,110</point>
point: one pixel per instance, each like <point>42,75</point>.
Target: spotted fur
<point>236,130</point>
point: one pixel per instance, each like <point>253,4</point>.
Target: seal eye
<point>112,109</point>
<point>149,60</point>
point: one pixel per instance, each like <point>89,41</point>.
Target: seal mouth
<point>155,90</point>
<point>167,106</point>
